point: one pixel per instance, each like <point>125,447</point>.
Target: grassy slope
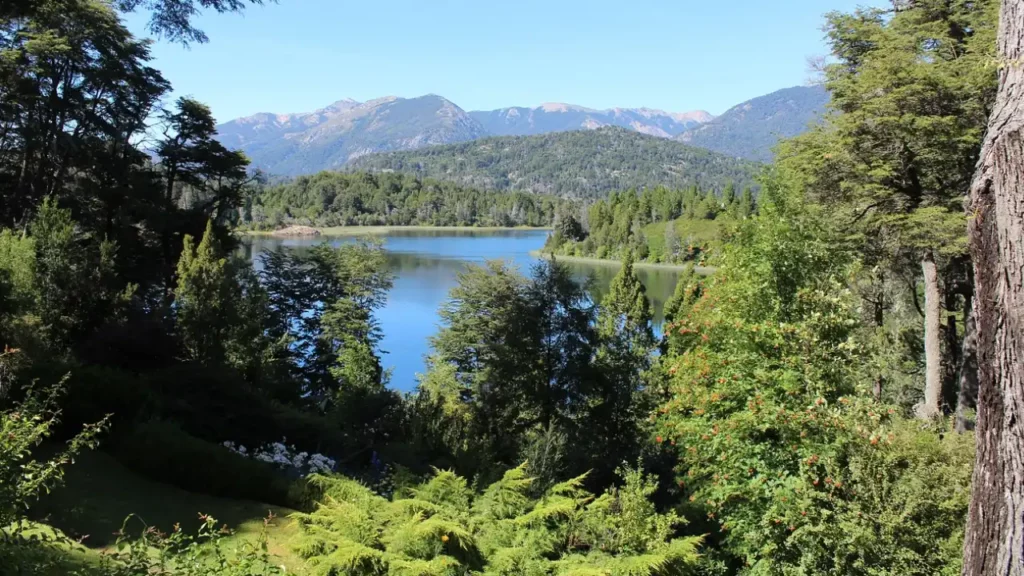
<point>99,493</point>
<point>689,231</point>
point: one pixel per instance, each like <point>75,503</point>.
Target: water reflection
<point>426,264</point>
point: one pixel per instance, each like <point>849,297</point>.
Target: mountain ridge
<point>338,134</point>
<point>750,129</point>
<point>576,163</point>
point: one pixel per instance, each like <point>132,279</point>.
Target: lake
<point>426,264</point>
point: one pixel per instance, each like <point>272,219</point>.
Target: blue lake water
<point>426,264</point>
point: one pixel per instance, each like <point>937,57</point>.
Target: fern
<point>506,498</point>
<point>444,530</point>
<point>446,488</point>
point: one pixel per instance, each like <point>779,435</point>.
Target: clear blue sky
<point>677,55</point>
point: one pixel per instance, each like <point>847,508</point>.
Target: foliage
<point>322,302</point>
<point>657,225</point>
<point>441,527</point>
<point>172,19</point>
<point>203,299</point>
<point>778,438</point>
<point>22,429</point>
<point>512,371</point>
<point>911,88</point>
<point>366,199</point>
<point>24,476</point>
<point>179,554</point>
<point>579,164</point>
<point>161,450</point>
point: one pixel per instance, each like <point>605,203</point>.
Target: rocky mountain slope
<point>750,130</point>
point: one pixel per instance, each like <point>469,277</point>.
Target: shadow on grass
<point>99,493</point>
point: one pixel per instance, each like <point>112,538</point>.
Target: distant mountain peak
<point>293,144</point>
<point>332,136</point>
<point>560,117</point>
<point>751,129</point>
<point>562,107</point>
<point>698,116</point>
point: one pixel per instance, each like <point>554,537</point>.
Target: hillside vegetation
<point>801,411</point>
<point>580,164</point>
<point>659,225</point>
<point>366,199</point>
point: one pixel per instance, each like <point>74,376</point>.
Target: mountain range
<point>334,136</point>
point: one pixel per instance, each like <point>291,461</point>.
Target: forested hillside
<point>365,199</point>
<point>657,225</point>
<point>580,164</point>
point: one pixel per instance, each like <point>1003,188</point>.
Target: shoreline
<point>372,230</point>
<point>702,270</point>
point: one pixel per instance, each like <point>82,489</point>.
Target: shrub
<point>181,554</point>
<point>162,451</point>
<point>442,527</point>
<point>23,476</point>
<point>93,392</point>
<point>217,404</point>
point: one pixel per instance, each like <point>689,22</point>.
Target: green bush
<point>93,392</point>
<point>163,452</point>
<point>442,527</point>
<point>217,405</point>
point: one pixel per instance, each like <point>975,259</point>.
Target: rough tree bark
<point>930,408</point>
<point>994,542</point>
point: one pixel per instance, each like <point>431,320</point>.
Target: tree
<point>994,542</point>
<point>910,94</point>
<point>563,319</point>
<point>485,357</point>
<point>75,286</point>
<point>620,404</point>
<point>672,244</point>
<point>205,298</point>
<point>75,92</point>
<point>321,304</point>
<point>570,228</point>
<point>172,19</point>
<point>745,206</point>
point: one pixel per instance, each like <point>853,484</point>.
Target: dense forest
<point>838,397</point>
<point>657,225</point>
<point>366,199</point>
<point>579,164</point>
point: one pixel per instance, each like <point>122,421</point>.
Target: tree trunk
<point>930,408</point>
<point>994,541</point>
<point>967,391</point>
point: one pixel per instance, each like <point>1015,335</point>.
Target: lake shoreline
<point>335,231</point>
<point>702,270</point>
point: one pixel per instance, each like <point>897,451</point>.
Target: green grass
<point>689,231</point>
<point>99,493</point>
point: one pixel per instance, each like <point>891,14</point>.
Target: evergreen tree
<point>75,287</point>
<point>745,206</point>
<point>911,88</point>
<point>614,417</point>
<point>204,300</point>
<point>486,356</point>
<point>321,305</point>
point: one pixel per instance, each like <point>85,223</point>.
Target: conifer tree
<point>204,299</point>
